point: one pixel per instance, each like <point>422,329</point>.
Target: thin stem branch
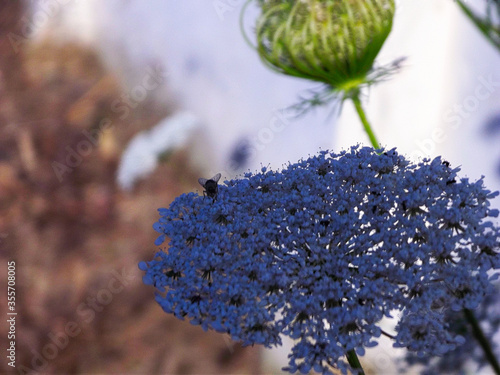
<point>353,360</point>
<point>486,28</point>
<point>392,337</point>
<point>483,341</point>
<point>364,120</point>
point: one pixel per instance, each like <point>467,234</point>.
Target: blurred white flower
<point>141,156</point>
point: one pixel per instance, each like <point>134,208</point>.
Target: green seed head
<point>330,41</point>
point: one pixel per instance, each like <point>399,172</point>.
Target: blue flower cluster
<point>324,249</point>
<point>460,360</point>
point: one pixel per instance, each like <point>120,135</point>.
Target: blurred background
<point>110,109</point>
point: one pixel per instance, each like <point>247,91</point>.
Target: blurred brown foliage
<point>72,235</point>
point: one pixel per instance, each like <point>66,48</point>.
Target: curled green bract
<point>330,41</point>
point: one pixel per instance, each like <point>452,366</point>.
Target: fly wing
<point>216,178</point>
<point>202,181</point>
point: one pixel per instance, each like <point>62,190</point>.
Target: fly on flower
<point>210,186</point>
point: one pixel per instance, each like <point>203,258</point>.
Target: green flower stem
<point>353,360</point>
<point>486,28</point>
<point>483,341</point>
<point>364,120</point>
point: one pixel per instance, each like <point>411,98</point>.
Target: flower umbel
<point>469,354</point>
<point>324,249</point>
<point>334,42</point>
<point>330,41</point>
